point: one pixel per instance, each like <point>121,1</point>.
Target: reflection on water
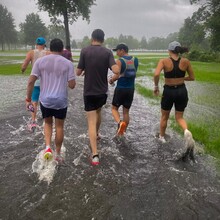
<point>138,177</point>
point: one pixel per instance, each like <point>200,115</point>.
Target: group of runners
<point>56,72</point>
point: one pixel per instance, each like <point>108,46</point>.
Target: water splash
<point>45,169</point>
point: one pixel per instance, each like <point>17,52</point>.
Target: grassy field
<point>205,129</point>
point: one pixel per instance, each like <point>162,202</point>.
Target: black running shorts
<point>94,102</point>
<point>123,96</point>
<point>174,95</point>
<point>49,112</point>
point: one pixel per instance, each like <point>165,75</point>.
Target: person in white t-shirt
<point>56,74</point>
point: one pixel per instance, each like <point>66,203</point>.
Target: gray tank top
<point>38,54</point>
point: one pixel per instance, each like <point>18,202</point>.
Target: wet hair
<point>98,35</point>
<point>180,50</point>
<point>56,45</point>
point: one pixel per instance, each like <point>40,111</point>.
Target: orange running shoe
<point>121,128</point>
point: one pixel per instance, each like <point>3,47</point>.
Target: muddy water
<point>138,177</point>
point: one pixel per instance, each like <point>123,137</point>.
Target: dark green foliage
<point>32,28</point>
<point>8,34</point>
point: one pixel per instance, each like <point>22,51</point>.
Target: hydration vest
<point>130,70</point>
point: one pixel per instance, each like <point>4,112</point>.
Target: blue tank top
<point>176,72</point>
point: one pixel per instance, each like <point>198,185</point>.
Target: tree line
<point>200,32</point>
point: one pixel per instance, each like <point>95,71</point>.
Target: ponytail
<point>180,50</point>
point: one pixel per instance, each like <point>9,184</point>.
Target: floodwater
<point>138,178</point>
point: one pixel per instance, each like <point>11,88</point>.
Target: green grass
<point>12,69</point>
<point>147,93</point>
<point>207,72</point>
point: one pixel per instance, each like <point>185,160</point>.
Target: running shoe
<point>95,160</point>
<point>98,137</point>
<point>121,128</point>
<point>59,159</point>
<point>48,155</point>
<point>162,139</point>
<point>189,142</point>
<point>33,126</point>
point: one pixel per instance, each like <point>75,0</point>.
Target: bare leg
<point>163,121</point>
<point>126,117</point>
<point>48,130</point>
<point>115,114</point>
<point>92,120</point>
<point>34,114</point>
<point>99,119</point>
<point>59,126</point>
<point>180,120</point>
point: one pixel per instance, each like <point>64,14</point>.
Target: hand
<point>156,91</point>
<point>110,81</point>
<point>28,103</point>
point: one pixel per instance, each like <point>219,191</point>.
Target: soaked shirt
<point>176,72</point>
<point>54,72</point>
<point>96,60</point>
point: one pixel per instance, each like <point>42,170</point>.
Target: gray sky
<point>138,18</point>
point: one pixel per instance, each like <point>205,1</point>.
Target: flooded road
<point>138,178</point>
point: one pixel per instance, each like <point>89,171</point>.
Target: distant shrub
<point>194,55</point>
<point>207,57</point>
<point>203,56</point>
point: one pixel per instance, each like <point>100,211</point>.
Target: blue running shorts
<point>35,94</point>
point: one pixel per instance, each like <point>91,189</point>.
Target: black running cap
<point>121,47</point>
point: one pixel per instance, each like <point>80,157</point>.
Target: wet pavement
<point>138,178</point>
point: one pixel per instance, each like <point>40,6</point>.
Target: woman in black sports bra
<point>175,92</point>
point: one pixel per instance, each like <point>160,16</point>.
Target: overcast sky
<point>138,18</point>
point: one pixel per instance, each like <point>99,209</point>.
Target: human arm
<point>116,72</point>
<point>190,72</point>
<point>72,83</point>
<point>27,60</point>
<point>30,87</point>
<point>81,65</point>
<point>71,77</point>
<point>79,72</point>
<point>157,72</point>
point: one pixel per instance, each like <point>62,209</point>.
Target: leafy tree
<point>85,42</point>
<point>56,31</point>
<point>70,10</point>
<point>111,42</point>
<point>157,43</point>
<point>8,34</point>
<point>192,32</point>
<point>74,44</point>
<point>32,28</point>
<point>209,14</point>
<point>129,40</point>
<point>143,43</point>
